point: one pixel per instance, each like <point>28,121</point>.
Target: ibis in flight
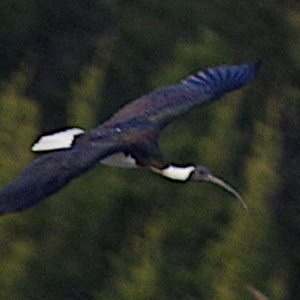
<point>128,139</point>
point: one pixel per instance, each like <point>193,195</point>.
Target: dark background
<point>129,234</point>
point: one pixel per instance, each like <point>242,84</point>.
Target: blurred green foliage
<point>129,234</point>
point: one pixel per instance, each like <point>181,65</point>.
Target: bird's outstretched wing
<point>163,105</point>
<point>49,173</point>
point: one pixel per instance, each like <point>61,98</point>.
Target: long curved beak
<point>227,187</point>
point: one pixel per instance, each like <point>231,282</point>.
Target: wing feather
<point>48,174</point>
<point>163,105</point>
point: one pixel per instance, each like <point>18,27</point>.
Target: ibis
<point>128,139</point>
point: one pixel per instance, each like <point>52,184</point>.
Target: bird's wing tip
<point>256,65</point>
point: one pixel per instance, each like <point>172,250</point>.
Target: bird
<point>128,139</point>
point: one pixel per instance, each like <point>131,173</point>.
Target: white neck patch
<point>58,140</point>
<point>175,173</point>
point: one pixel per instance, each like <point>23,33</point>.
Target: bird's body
<point>128,139</point>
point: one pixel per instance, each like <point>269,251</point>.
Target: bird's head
<point>201,173</point>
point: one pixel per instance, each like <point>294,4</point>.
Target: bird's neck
<point>175,172</point>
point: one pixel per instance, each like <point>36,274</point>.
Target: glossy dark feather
<point>48,174</point>
<point>163,105</point>
<point>133,131</point>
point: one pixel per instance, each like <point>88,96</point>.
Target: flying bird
<point>128,139</point>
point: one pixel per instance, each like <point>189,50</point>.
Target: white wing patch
<point>175,173</point>
<point>59,140</point>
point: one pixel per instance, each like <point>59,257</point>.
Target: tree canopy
<point>129,234</point>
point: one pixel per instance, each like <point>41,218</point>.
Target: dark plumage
<point>130,137</point>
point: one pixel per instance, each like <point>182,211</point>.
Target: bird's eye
<point>202,171</point>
